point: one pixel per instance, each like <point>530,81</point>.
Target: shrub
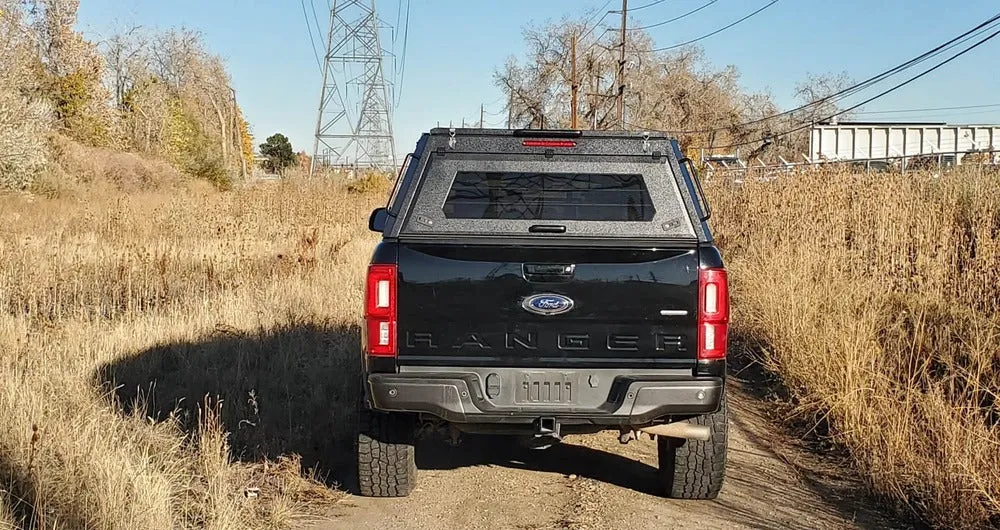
<point>191,150</point>
<point>24,125</point>
<point>24,120</point>
<point>75,166</point>
<point>77,107</point>
<point>371,183</point>
<point>209,166</point>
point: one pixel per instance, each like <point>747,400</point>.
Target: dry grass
<point>875,299</point>
<point>372,183</point>
<point>82,171</point>
<point>7,520</point>
<point>163,354</point>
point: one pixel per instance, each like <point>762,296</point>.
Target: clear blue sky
<point>455,46</point>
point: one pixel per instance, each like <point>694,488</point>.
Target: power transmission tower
<point>354,123</point>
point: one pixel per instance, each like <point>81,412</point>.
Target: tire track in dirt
<point>476,495</point>
<point>592,481</point>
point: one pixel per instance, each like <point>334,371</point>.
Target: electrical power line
<point>497,124</point>
<point>936,117</point>
<point>907,111</point>
<point>402,63</point>
<point>597,40</point>
<point>395,29</point>
<point>584,34</point>
<point>675,19</point>
<point>587,33</point>
<point>716,32</point>
<point>497,113</point>
<point>319,32</point>
<point>603,9</point>
<point>877,96</point>
<point>651,4</point>
<point>312,41</point>
<point>981,28</point>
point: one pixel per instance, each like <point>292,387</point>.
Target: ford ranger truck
<point>543,283</point>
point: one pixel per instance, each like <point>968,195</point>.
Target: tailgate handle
<point>547,229</point>
<point>542,271</point>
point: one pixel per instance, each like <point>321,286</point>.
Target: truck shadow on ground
<point>774,478</point>
<point>566,458</point>
<point>760,491</point>
<point>293,390</point>
<point>289,390</point>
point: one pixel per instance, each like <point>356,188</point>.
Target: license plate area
<point>538,387</point>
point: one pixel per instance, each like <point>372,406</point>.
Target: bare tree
<point>62,49</point>
<point>162,93</point>
<point>677,91</point>
<point>174,54</point>
<point>126,58</point>
<point>168,86</point>
<point>816,91</point>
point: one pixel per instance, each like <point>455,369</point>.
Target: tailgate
<point>467,305</point>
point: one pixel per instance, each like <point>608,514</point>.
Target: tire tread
<point>386,463</point>
<point>695,469</point>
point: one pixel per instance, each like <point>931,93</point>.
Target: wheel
<point>695,469</point>
<point>386,463</point>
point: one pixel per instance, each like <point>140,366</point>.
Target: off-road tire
<point>386,463</point>
<point>695,469</point>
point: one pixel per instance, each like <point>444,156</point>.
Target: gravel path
<point>594,482</point>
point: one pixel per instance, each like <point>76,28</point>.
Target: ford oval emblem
<point>547,304</point>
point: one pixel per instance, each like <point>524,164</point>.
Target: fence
<point>943,161</point>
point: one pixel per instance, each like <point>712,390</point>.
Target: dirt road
<point>595,482</point>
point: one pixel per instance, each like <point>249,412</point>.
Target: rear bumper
<point>516,396</point>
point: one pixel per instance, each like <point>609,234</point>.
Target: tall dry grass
<point>165,356</point>
<point>875,299</point>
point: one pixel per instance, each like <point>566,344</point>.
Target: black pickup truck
<point>540,283</point>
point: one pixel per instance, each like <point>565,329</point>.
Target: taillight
<point>380,310</point>
<point>713,313</point>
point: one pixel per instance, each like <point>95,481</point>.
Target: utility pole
<point>574,87</point>
<point>482,115</point>
<point>510,107</point>
<point>595,85</point>
<point>621,67</point>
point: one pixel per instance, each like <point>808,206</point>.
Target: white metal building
<point>878,140</point>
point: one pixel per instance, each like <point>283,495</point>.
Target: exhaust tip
<point>680,429</point>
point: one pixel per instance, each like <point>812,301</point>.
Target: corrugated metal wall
<point>854,142</point>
